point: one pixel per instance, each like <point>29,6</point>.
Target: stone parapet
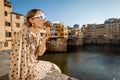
<point>4,69</point>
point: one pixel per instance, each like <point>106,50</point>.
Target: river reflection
<point>89,62</point>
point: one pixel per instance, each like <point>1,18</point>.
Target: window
<point>17,16</point>
<point>5,13</point>
<point>18,25</point>
<point>8,34</point>
<point>7,5</point>
<point>61,29</point>
<point>61,34</point>
<point>7,23</point>
<point>43,28</point>
<point>56,34</point>
<point>41,34</point>
<point>14,33</point>
<point>6,44</point>
<point>5,0</point>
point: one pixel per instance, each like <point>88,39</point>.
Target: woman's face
<point>39,19</point>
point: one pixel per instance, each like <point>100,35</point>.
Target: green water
<point>89,62</point>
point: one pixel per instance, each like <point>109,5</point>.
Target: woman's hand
<point>42,46</point>
<point>47,34</point>
<point>48,24</point>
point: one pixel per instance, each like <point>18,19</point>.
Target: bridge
<point>57,44</point>
<point>60,44</point>
<point>74,40</point>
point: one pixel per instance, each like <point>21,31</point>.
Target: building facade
<point>5,29</point>
<point>58,30</point>
<point>58,38</point>
<point>2,24</point>
<point>17,22</point>
<point>11,22</point>
<point>109,32</point>
<point>75,36</point>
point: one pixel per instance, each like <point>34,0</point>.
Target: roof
<point>17,13</point>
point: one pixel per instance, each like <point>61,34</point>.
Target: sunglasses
<point>40,16</point>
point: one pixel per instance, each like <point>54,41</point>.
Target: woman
<point>27,45</point>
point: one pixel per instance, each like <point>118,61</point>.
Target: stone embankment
<point>4,68</point>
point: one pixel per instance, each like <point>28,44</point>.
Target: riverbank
<point>4,68</point>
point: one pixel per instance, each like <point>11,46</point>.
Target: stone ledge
<point>4,67</point>
<point>50,76</point>
<point>58,76</point>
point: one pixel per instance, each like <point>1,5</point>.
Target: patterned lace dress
<point>23,57</point>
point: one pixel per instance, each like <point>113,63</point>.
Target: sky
<point>71,12</point>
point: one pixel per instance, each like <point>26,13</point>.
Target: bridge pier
<point>60,44</point>
<point>57,44</point>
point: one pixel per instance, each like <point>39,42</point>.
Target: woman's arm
<point>42,46</point>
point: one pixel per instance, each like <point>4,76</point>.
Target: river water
<point>91,62</point>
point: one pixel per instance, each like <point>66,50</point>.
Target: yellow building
<point>5,25</point>
<point>62,31</point>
